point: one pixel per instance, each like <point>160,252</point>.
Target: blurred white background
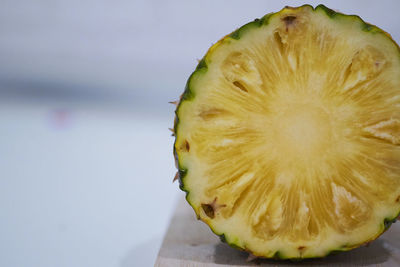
<point>86,162</point>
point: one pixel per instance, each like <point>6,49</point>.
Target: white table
<point>83,185</point>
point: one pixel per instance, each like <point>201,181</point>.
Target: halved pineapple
<point>288,134</point>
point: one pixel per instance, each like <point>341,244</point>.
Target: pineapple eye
<point>240,86</point>
<point>289,21</point>
<point>208,210</point>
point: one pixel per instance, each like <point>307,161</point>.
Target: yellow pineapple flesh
<point>288,133</point>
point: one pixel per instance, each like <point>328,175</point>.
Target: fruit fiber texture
<point>288,134</point>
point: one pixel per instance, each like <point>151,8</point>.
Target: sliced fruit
<point>288,133</point>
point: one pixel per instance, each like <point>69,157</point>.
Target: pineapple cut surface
<point>288,134</point>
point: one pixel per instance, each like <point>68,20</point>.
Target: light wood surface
<point>190,243</point>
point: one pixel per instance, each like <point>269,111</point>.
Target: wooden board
<point>189,243</point>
